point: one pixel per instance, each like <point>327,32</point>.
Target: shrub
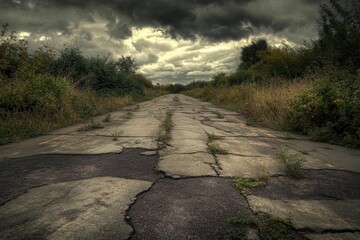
<point>329,109</point>
<point>292,163</point>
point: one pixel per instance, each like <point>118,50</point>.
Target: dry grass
<point>263,104</point>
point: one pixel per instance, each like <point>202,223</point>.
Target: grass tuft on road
<point>213,137</point>
<point>90,126</point>
<point>217,149</point>
<point>268,228</point>
<point>292,163</point>
<point>164,135</point>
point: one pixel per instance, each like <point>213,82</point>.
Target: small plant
<point>217,149</point>
<point>116,134</point>
<point>268,228</point>
<point>292,163</point>
<point>207,119</point>
<point>107,118</point>
<point>129,115</point>
<point>164,135</point>
<point>90,125</point>
<point>244,184</point>
<point>218,114</point>
<point>213,137</point>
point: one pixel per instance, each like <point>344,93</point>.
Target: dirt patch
<point>21,174</point>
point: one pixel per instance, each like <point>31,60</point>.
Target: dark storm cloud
<point>214,20</point>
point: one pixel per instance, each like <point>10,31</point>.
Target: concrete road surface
<point>118,182</point>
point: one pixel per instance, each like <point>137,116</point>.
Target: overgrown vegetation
<point>215,148</point>
<point>164,135</point>
<point>292,163</point>
<point>90,126</point>
<point>43,89</point>
<point>107,118</point>
<point>268,228</point>
<point>213,137</point>
<point>245,183</point>
<point>311,89</point>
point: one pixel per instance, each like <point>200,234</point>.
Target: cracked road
<point>115,182</point>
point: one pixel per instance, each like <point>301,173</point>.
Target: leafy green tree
<point>339,34</point>
<point>250,53</point>
<point>127,64</point>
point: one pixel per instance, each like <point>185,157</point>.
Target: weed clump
<point>213,137</point>
<point>107,118</point>
<point>292,163</point>
<point>164,135</point>
<point>217,149</point>
<point>176,99</point>
<point>244,184</point>
<point>268,228</point>
<point>90,126</point>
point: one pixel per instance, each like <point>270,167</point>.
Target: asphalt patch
<point>21,174</point>
<point>193,208</point>
<point>317,185</point>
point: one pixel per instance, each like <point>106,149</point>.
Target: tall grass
<point>16,125</point>
<point>263,104</point>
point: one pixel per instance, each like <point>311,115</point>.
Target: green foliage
<point>164,135</point>
<point>268,228</point>
<point>44,93</point>
<point>329,109</point>
<point>107,118</point>
<point>72,65</point>
<point>339,35</point>
<point>292,163</point>
<point>216,149</point>
<point>250,53</point>
<point>127,64</point>
<point>173,88</point>
<point>213,137</point>
<point>244,184</point>
<point>42,90</point>
<point>90,126</point>
<point>282,62</point>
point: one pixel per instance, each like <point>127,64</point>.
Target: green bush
<point>41,93</point>
<point>329,110</point>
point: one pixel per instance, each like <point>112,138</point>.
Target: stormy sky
<point>172,40</point>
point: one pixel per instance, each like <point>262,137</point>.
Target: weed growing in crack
<point>218,114</point>
<point>116,134</point>
<point>213,137</point>
<point>292,163</point>
<point>129,115</point>
<point>107,118</point>
<point>268,228</point>
<point>89,126</point>
<point>244,184</point>
<point>217,149</point>
<point>164,135</point>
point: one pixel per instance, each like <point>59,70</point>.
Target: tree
<point>127,64</point>
<point>339,34</point>
<point>250,53</point>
